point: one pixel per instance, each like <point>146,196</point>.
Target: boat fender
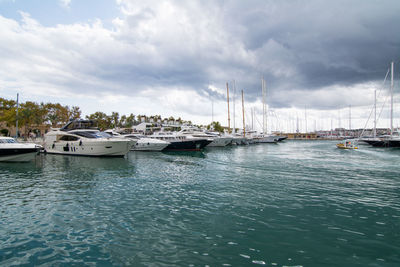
<point>80,143</point>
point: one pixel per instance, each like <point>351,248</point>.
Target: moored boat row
<point>82,138</point>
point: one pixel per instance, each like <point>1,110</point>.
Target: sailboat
<point>264,137</point>
<point>392,140</point>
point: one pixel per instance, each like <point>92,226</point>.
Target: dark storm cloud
<point>299,47</point>
<point>326,43</point>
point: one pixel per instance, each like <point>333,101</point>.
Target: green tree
<point>130,121</point>
<point>8,111</point>
<point>114,119</point>
<point>216,126</point>
<point>74,113</point>
<point>102,120</point>
<point>57,114</point>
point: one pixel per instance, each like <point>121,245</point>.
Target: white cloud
<point>174,57</point>
<point>65,3</point>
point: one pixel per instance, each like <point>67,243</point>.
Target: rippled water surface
<point>297,203</point>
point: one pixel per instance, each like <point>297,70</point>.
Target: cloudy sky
<point>173,58</point>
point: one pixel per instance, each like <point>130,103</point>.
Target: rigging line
<point>373,106</point>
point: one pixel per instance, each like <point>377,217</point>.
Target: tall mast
<point>264,96</point>
<point>16,123</point>
<point>252,118</point>
<point>349,117</point>
<point>375,114</point>
<point>391,101</point>
<point>234,100</point>
<point>305,116</point>
<point>229,117</point>
<point>212,110</point>
<point>244,125</point>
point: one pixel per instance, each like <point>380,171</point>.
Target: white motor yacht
<point>180,142</point>
<point>81,138</point>
<point>142,142</point>
<point>265,138</point>
<point>216,139</point>
<point>147,144</point>
<point>12,151</point>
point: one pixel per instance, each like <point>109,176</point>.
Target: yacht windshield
<point>93,134</point>
<point>8,141</point>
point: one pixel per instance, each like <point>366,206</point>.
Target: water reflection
<point>193,154</point>
<point>94,164</point>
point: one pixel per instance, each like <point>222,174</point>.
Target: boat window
<point>93,134</point>
<point>85,134</point>
<point>103,135</point>
<point>79,124</point>
<point>69,138</point>
<point>8,141</point>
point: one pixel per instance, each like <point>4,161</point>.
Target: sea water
<point>296,203</point>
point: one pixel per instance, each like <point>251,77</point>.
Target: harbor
<point>297,203</point>
<point>200,133</point>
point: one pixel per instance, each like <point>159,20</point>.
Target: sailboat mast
<point>234,100</point>
<point>212,110</point>
<point>264,96</point>
<point>349,117</point>
<point>252,118</point>
<point>229,117</point>
<point>16,122</point>
<point>391,101</point>
<point>375,114</point>
<point>244,125</point>
<point>305,116</point>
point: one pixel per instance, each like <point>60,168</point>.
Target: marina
<point>296,203</point>
<point>199,133</point>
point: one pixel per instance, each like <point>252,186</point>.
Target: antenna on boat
<point>16,122</point>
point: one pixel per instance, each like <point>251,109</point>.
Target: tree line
<point>32,114</point>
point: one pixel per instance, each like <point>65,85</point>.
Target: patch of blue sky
<point>53,12</point>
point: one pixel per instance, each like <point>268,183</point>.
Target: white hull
<point>12,151</point>
<point>148,144</point>
<point>95,147</point>
<point>266,139</point>
<point>239,141</point>
<point>220,142</point>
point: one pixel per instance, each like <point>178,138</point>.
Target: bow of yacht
<point>12,151</point>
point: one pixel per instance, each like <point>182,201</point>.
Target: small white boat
<point>12,151</point>
<point>81,138</point>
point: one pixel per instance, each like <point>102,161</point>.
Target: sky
<point>322,60</point>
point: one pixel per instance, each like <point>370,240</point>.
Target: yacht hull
<point>220,142</point>
<point>18,154</point>
<point>149,145</point>
<point>383,143</point>
<point>189,145</point>
<point>89,148</point>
